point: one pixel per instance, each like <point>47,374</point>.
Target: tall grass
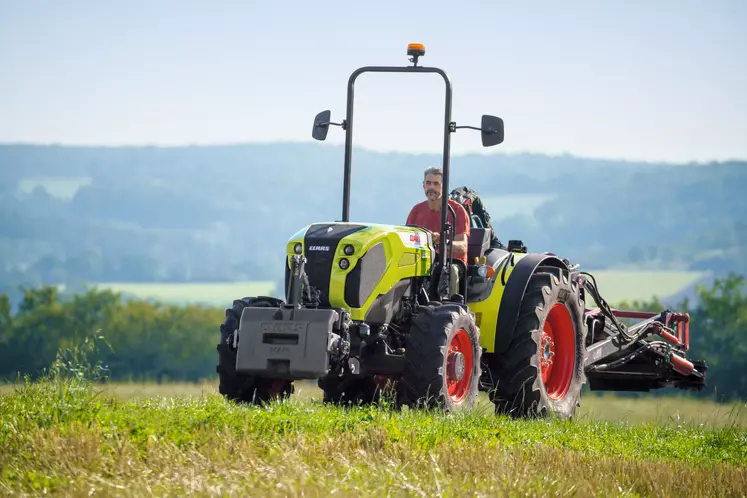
<point>62,434</point>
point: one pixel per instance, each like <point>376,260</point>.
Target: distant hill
<point>218,213</point>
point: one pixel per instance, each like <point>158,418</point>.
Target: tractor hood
<point>327,237</point>
<point>346,262</point>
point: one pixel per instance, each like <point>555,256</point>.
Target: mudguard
<point>514,293</point>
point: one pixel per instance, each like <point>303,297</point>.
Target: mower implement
<point>649,354</point>
<point>370,307</point>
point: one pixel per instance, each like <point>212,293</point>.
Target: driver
<point>427,214</point>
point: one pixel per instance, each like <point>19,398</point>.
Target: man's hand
<point>461,245</point>
<point>436,237</point>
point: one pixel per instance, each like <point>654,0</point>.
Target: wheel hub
<point>456,366</point>
<point>548,351</point>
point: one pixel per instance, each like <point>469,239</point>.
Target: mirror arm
<point>453,127</point>
<point>342,125</point>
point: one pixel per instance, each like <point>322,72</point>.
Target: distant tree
<point>718,327</point>
<point>719,330</point>
<point>6,318</point>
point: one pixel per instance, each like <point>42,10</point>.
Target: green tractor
<point>370,307</point>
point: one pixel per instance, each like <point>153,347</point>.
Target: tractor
<point>370,308</point>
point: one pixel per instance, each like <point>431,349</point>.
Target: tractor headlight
<point>298,248</point>
<point>349,250</point>
<point>344,264</point>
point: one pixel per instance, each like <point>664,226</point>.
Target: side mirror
<point>492,130</point>
<point>321,125</point>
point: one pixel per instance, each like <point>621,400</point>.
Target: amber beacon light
<point>415,50</point>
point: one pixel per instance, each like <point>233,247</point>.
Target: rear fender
<point>513,294</point>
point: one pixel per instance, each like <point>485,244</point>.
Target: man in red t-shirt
<point>428,215</point>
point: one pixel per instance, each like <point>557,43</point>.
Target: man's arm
<point>461,244</point>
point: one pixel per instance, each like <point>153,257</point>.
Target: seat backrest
<point>478,243</point>
<point>476,222</point>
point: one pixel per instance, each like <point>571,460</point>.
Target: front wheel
<point>237,386</point>
<point>443,359</point>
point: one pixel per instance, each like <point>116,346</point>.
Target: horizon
<point>625,81</point>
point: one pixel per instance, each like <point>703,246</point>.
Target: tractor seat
<point>475,222</point>
<point>478,243</point>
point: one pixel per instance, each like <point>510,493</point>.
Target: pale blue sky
<point>638,79</point>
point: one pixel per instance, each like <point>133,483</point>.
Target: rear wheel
<point>443,359</point>
<point>241,387</point>
<point>542,372</point>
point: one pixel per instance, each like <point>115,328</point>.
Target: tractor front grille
<point>320,244</point>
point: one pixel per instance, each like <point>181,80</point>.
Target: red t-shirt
<point>421,215</point>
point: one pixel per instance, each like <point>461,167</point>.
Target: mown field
<point>619,285</point>
<point>219,294</point>
<point>63,437</point>
<point>595,406</point>
<point>62,187</point>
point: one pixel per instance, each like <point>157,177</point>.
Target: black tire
<point>240,387</point>
<point>551,301</point>
<point>430,366</point>
<point>348,390</point>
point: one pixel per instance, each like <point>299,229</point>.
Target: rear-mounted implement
<point>649,354</point>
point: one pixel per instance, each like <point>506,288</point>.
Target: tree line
<point>150,341</point>
<point>138,340</point>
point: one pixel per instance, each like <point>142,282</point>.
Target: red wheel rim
<point>459,366</point>
<point>557,351</point>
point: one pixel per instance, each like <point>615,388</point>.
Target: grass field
<point>617,285</point>
<point>608,407</point>
<point>64,188</point>
<point>149,440</point>
<point>216,294</point>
